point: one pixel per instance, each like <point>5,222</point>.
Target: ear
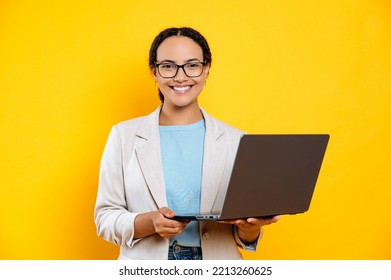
<point>154,74</point>
<point>206,70</point>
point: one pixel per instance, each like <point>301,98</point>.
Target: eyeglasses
<point>170,70</point>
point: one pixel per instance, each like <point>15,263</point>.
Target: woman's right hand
<point>166,227</point>
<point>158,222</point>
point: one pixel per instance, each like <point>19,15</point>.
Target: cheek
<point>162,82</point>
<point>202,81</point>
<point>162,85</point>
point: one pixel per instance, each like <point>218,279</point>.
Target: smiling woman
<point>180,91</point>
<point>69,70</point>
<point>172,161</point>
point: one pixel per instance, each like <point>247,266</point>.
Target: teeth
<point>181,88</point>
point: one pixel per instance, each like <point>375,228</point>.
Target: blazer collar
<point>149,129</point>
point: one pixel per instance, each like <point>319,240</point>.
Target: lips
<point>181,89</point>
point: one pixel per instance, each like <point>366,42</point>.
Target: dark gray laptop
<point>272,175</point>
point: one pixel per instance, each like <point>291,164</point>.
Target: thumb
<point>166,212</point>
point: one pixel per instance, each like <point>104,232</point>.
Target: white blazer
<point>131,182</point>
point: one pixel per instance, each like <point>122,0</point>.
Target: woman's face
<point>180,90</point>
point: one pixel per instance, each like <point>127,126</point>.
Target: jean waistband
<point>177,251</point>
<point>177,247</point>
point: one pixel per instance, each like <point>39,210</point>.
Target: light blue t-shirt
<point>182,150</point>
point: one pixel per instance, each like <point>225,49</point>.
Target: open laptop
<point>273,174</point>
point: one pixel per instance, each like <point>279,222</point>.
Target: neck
<point>179,115</point>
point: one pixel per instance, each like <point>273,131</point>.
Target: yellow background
<point>69,70</point>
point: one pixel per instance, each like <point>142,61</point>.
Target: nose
<point>180,76</point>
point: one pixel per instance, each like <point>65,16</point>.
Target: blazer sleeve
<point>113,221</point>
<point>251,247</point>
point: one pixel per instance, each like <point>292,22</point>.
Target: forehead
<point>179,49</point>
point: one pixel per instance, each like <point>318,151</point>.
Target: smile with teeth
<point>181,89</point>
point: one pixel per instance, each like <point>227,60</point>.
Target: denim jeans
<point>178,252</point>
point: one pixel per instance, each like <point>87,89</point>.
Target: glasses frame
<point>178,67</point>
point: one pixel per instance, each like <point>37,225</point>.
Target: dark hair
<point>181,31</point>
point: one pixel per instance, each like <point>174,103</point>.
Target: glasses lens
<point>167,70</point>
<point>193,69</point>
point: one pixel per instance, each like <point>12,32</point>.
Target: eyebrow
<point>187,61</point>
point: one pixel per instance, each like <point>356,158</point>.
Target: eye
<point>193,65</point>
<point>167,66</point>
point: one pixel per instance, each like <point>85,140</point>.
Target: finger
<point>271,220</point>
<point>230,222</point>
<point>165,224</point>
<point>166,212</point>
<point>234,222</point>
<point>170,231</point>
<point>261,221</point>
<point>276,218</point>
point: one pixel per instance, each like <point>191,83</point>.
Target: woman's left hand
<point>249,229</point>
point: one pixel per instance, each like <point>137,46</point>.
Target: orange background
<point>70,70</point>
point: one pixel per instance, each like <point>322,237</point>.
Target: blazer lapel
<point>214,161</point>
<point>149,157</point>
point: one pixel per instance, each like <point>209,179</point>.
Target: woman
<point>177,159</point>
